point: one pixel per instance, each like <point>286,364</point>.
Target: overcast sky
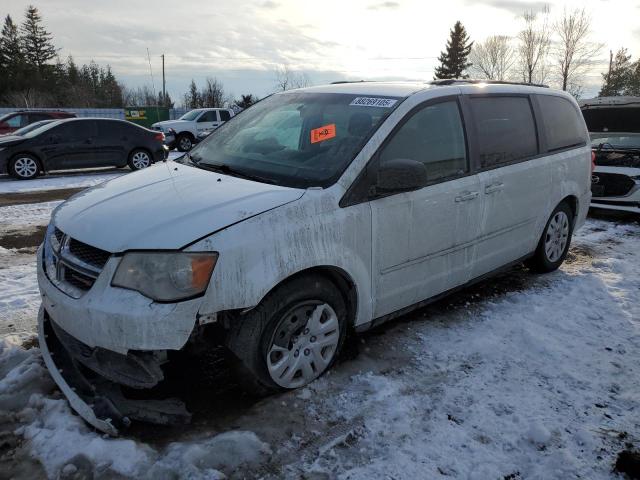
<point>241,42</point>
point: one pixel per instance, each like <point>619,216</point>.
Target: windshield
<point>192,115</point>
<point>33,126</point>
<point>615,140</point>
<point>296,139</point>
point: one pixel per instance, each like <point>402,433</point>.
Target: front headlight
<point>166,277</point>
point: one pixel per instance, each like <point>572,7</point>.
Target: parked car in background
<point>614,127</point>
<point>316,212</point>
<point>13,121</point>
<point>24,130</point>
<point>183,133</point>
<point>80,143</point>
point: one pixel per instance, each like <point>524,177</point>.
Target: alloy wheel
<point>185,144</point>
<point>25,167</point>
<point>304,344</point>
<point>556,237</point>
<point>140,160</point>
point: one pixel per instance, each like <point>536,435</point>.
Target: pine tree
<point>36,41</point>
<point>633,80</point>
<point>192,97</point>
<point>246,101</point>
<point>11,56</point>
<point>618,75</point>
<point>453,61</point>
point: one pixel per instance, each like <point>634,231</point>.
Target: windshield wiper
<point>229,170</point>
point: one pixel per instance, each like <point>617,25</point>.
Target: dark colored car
<point>80,143</point>
<point>13,121</point>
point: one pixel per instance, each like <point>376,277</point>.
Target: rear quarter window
<point>505,128</point>
<point>563,124</point>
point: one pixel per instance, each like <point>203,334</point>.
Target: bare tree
<point>574,52</point>
<point>286,79</point>
<point>533,47</point>
<point>493,58</point>
<point>212,94</point>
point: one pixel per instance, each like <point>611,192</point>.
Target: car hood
<point>8,140</point>
<point>170,123</point>
<point>166,206</point>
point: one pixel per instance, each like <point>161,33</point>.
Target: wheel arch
<point>338,277</point>
<point>186,132</point>
<point>573,203</point>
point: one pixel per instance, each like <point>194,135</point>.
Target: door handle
<point>493,188</point>
<point>466,196</point>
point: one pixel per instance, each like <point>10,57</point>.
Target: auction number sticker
<point>321,134</point>
<point>373,102</point>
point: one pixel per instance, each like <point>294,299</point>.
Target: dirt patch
<point>21,198</point>
<point>31,238</point>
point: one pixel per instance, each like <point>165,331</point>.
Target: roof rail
<point>454,81</point>
<point>339,82</point>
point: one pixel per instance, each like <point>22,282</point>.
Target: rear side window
<point>76,131</point>
<point>210,116</point>
<point>224,115</point>
<point>434,136</point>
<point>506,130</point>
<point>562,123</point>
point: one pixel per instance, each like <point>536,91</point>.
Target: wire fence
<point>96,112</point>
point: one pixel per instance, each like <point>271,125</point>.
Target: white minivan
<point>314,213</point>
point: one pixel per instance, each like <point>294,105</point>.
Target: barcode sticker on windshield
<point>373,102</point>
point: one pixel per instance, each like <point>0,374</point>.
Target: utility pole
<point>164,85</point>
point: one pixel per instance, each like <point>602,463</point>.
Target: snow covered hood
<point>164,207</point>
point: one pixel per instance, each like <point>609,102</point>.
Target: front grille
<point>611,184</point>
<point>91,255</point>
<point>73,266</point>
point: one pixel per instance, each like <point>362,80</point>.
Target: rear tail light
<point>593,161</point>
<point>159,136</point>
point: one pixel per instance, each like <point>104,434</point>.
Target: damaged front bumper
<point>92,379</point>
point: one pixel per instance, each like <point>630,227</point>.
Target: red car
<point>21,118</point>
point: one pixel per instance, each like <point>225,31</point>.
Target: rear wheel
<point>184,142</point>
<point>24,167</point>
<point>291,338</point>
<point>554,244</point>
<point>139,159</point>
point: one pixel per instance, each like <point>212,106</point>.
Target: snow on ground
<point>67,179</point>
<point>538,381</point>
<point>57,181</point>
<point>17,217</point>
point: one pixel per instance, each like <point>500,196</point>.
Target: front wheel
<point>24,167</point>
<point>554,244</point>
<point>139,159</point>
<point>291,338</point>
<point>184,142</point>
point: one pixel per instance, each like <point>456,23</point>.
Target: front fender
<point>258,254</point>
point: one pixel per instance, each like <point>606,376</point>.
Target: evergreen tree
<point>633,80</point>
<point>192,97</point>
<point>618,75</point>
<point>36,41</point>
<point>246,101</point>
<point>11,56</point>
<point>453,61</point>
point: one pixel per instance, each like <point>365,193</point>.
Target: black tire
<point>24,166</point>
<point>542,262</point>
<point>184,142</point>
<point>139,158</point>
<point>252,335</point>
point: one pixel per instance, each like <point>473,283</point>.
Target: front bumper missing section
<point>84,377</point>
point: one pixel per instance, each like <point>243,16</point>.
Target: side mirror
<point>401,175</point>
